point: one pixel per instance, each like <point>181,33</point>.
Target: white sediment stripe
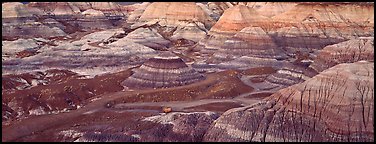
<point>233,131</point>
<point>174,71</point>
<point>294,74</point>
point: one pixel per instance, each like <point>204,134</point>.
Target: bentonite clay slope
<point>175,127</point>
<point>16,9</point>
<point>73,8</point>
<point>326,107</point>
<point>267,9</point>
<point>187,20</point>
<point>139,9</point>
<point>251,41</point>
<point>173,12</point>
<point>232,21</point>
<point>91,12</point>
<point>148,37</point>
<point>335,20</point>
<point>163,71</point>
<point>345,52</point>
<point>362,13</point>
<point>109,8</point>
<point>238,17</point>
<point>20,21</point>
<point>270,9</point>
<point>66,9</point>
<point>56,8</point>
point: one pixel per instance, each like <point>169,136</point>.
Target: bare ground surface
<point>216,99</point>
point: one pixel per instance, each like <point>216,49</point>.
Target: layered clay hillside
<point>172,12</point>
<point>187,71</point>
<point>251,41</point>
<point>164,71</point>
<point>323,108</point>
<point>238,17</point>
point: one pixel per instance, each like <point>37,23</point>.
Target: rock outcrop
<point>171,13</point>
<point>217,9</point>
<point>65,8</point>
<point>164,71</point>
<point>91,54</point>
<point>270,9</point>
<point>246,62</point>
<point>149,37</point>
<point>346,52</point>
<point>77,16</point>
<point>252,42</point>
<point>18,10</point>
<point>11,48</point>
<point>315,25</point>
<point>92,12</point>
<point>287,75</point>
<point>300,27</point>
<point>186,17</point>
<point>108,8</point>
<point>339,14</point>
<point>325,108</point>
<point>83,6</point>
<point>190,31</point>
<point>238,17</point>
<point>71,8</point>
<point>208,11</point>
<point>171,127</point>
<point>232,21</point>
<point>137,12</point>
<point>20,21</point>
<point>187,126</point>
<point>267,9</point>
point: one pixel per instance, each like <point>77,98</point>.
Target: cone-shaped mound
<point>238,17</point>
<point>163,71</point>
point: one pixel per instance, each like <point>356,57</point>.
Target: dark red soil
<point>63,91</point>
<point>101,121</point>
<point>26,53</point>
<point>259,71</point>
<point>257,79</point>
<point>69,89</point>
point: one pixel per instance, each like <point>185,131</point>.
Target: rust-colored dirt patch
<point>259,71</point>
<point>105,121</point>
<point>257,79</point>
<point>63,91</point>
